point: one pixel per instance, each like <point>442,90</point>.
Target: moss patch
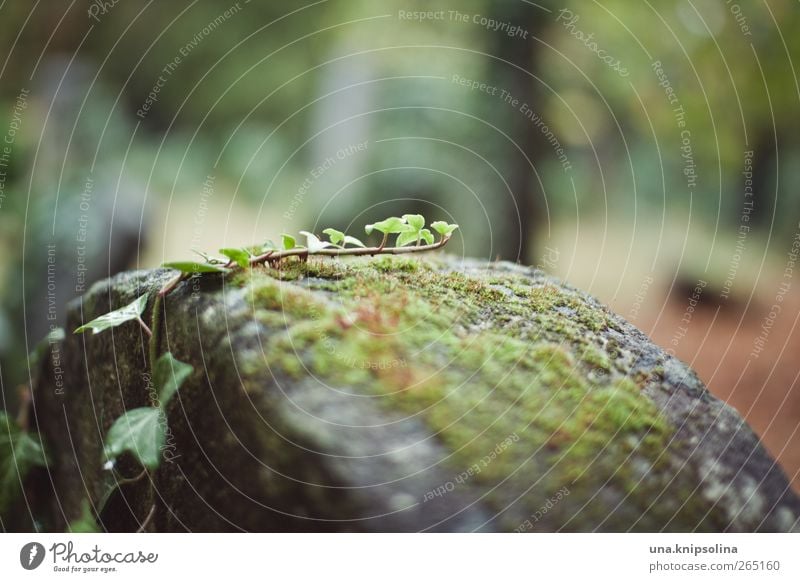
<point>478,358</point>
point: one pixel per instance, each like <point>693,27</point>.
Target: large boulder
<point>394,394</point>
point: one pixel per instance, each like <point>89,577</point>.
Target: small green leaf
<point>142,431</point>
<point>19,453</point>
<point>289,242</point>
<point>208,258</point>
<point>426,236</point>
<point>351,240</point>
<point>130,312</point>
<point>269,246</point>
<point>341,239</point>
<point>443,228</point>
<point>415,221</point>
<point>86,523</point>
<point>313,243</point>
<point>190,267</point>
<point>139,431</point>
<point>240,256</point>
<point>336,236</point>
<point>391,225</point>
<point>407,238</point>
<point>168,375</point>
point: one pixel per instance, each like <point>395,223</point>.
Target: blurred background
<point>648,153</point>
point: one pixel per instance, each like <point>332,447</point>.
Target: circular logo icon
<point>31,555</point>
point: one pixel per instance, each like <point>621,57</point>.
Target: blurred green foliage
<point>261,94</point>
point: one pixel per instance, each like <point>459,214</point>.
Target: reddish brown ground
<point>718,345</point>
<point>610,262</point>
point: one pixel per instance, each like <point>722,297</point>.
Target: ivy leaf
<point>340,239</point>
<point>414,232</point>
<point>19,453</point>
<point>391,225</point>
<point>143,431</point>
<point>289,242</point>
<point>240,256</point>
<point>336,236</point>
<point>208,258</point>
<point>139,431</point>
<point>415,221</point>
<point>190,267</point>
<point>168,375</point>
<point>426,235</point>
<point>406,238</point>
<point>443,228</point>
<point>313,243</point>
<point>351,240</point>
<point>130,312</point>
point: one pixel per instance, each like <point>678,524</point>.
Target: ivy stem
<point>170,285</point>
<point>351,251</point>
<point>383,242</point>
<point>261,258</point>
<point>302,252</point>
<point>144,326</point>
<point>156,336</point>
<point>129,480</point>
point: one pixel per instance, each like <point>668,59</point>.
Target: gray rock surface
<point>397,395</point>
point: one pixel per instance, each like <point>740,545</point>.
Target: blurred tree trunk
<point>513,67</point>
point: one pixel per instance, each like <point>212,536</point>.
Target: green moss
<point>476,362</point>
<point>398,264</point>
<point>265,292</point>
<point>596,359</point>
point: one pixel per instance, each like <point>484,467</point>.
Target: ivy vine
<point>141,432</point>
